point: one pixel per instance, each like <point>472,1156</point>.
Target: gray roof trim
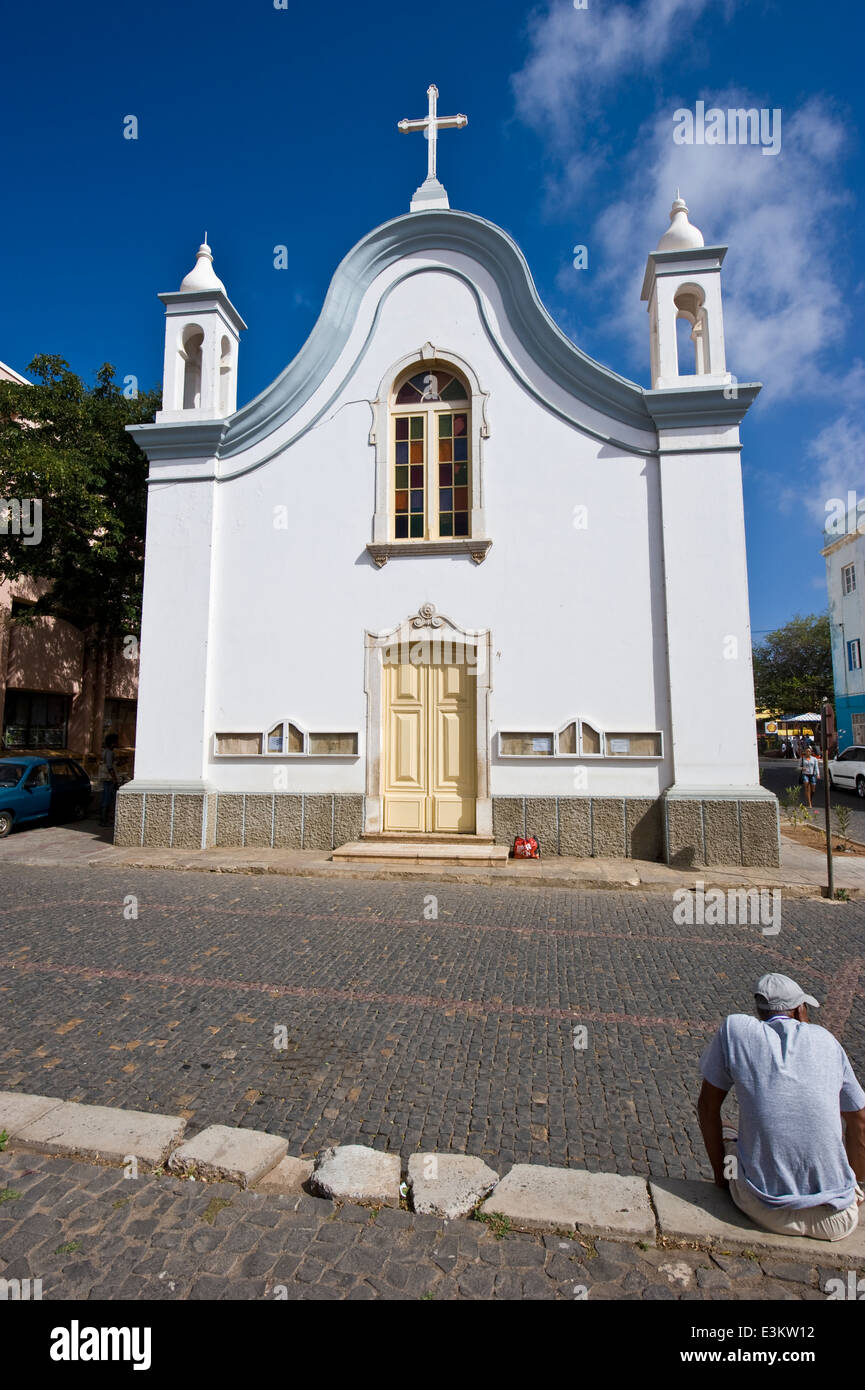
<point>168,443</point>
<point>179,439</point>
<point>682,408</point>
<point>412,234</point>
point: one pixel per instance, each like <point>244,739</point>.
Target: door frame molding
<point>421,628</point>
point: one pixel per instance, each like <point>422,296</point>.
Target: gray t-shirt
<point>792,1081</point>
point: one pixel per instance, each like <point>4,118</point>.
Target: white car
<point>847,771</point>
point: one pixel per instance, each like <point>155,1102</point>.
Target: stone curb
<point>243,1156</point>
<point>481,878</point>
<point>530,1197</point>
<point>89,1131</point>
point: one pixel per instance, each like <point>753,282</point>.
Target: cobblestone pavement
<point>90,1233</point>
<point>403,1033</point>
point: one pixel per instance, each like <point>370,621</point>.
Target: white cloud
<point>838,452</point>
<point>578,55</point>
<point>785,305</point>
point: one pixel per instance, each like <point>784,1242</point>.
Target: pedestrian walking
<point>809,772</point>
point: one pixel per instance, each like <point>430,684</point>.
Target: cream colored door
<point>430,749</point>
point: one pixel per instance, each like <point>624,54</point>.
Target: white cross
<point>431,125</point>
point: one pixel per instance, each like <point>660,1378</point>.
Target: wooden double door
<point>430,747</point>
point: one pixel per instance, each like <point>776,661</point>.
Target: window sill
<point>382,551</point>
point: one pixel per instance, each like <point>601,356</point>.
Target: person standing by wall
<point>108,781</point>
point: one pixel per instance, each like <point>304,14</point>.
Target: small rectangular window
<point>526,745</point>
<point>333,745</point>
<point>237,745</point>
<point>854,655</point>
<point>633,745</point>
<point>848,579</point>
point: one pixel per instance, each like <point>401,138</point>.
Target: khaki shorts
<point>820,1223</point>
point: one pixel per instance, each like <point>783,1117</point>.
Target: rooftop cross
<point>431,194</point>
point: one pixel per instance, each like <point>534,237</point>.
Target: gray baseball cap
<point>780,993</point>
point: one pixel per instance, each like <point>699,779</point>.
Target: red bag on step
<point>526,847</point>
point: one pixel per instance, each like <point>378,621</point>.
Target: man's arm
<point>854,1142</point>
<point>709,1113</point>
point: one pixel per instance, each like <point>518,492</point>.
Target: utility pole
<point>827,723</point>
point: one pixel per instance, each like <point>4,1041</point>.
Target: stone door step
<point>460,851</point>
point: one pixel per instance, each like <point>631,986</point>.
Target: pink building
<point>57,690</point>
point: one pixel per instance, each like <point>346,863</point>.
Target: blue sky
<point>275,127</point>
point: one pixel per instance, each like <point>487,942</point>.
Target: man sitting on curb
<point>787,1170</point>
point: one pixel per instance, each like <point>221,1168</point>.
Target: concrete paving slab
<point>448,1185</point>
<point>234,1155</point>
<point>287,1178</point>
<point>699,1211</point>
<point>538,1198</point>
<point>355,1173</point>
<point>18,1109</point>
<point>98,1131</point>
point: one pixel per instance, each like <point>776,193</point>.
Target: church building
<point>447,580</point>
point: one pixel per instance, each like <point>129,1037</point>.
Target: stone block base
<point>700,831</point>
<point>200,820</point>
<point>684,830</point>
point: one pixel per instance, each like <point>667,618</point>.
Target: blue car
<point>33,789</point>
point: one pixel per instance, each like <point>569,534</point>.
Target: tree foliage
<point>65,443</point>
<point>793,666</point>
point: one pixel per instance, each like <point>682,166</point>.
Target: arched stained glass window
<point>431,457</point>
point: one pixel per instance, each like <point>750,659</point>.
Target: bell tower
<point>202,336</point>
<point>683,281</point>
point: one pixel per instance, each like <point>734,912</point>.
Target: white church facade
<point>448,580</point>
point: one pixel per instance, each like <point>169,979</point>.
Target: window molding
<point>383,546</point>
<point>532,731</point>
<point>284,753</point>
<point>383,551</point>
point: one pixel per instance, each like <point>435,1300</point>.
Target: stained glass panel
<point>409,479</point>
<point>454,391</point>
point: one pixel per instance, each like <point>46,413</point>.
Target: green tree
<point>65,443</point>
<point>793,666</point>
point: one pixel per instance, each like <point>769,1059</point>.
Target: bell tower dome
<point>683,281</point>
<point>202,336</point>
